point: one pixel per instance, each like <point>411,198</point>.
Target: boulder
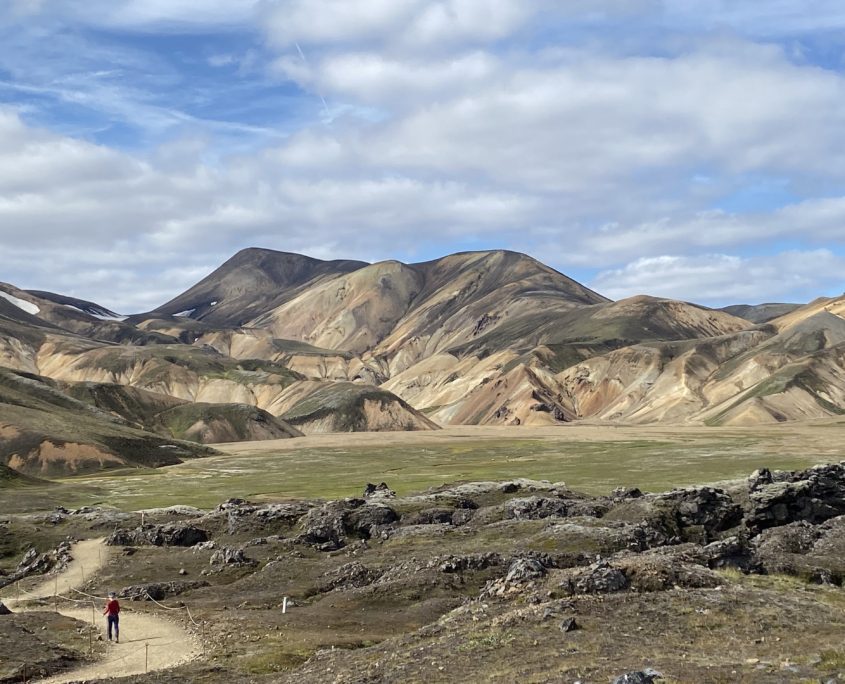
<point>472,562</point>
<point>707,508</point>
<point>34,563</point>
<point>598,578</point>
<point>524,570</point>
<point>4,610</point>
<point>328,527</point>
<point>367,521</point>
<point>158,591</point>
<point>535,508</point>
<point>430,516</point>
<point>230,556</point>
<point>171,534</point>
<point>379,491</point>
<point>814,495</point>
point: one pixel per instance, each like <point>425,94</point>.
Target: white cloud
<point>722,279</point>
<point>397,23</point>
<point>446,123</point>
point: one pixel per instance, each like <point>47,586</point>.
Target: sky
<point>692,149</point>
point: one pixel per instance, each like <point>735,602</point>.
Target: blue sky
<point>670,147</point>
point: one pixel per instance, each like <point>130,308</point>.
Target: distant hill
<point>760,313</point>
<point>274,344</point>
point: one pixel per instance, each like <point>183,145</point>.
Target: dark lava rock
<point>643,677</point>
<point>662,570</point>
<point>430,516</point>
<point>569,625</point>
<point>366,522</point>
<point>328,526</point>
<point>172,534</point>
<point>243,516</point>
<point>814,495</point>
<point>626,493</point>
<point>230,556</point>
<point>379,491</point>
<point>599,578</point>
<point>473,562</point>
<point>324,526</point>
<point>815,553</point>
<point>462,516</point>
<point>524,570</point>
<point>34,563</point>
<point>158,591</point>
<point>4,610</point>
<point>535,508</point>
<point>708,508</point>
<point>349,576</point>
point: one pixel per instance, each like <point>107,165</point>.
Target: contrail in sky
<point>319,94</point>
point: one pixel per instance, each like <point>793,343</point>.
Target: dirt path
<point>148,642</point>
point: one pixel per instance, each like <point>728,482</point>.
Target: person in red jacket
<point>112,613</point>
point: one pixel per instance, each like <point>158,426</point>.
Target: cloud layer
<point>698,155</point>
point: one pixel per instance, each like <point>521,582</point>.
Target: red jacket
<point>112,608</point>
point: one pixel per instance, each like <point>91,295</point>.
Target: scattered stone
<point>646,676</point>
<point>183,572</point>
<point>34,563</point>
<point>599,578</point>
<point>349,576</point>
<point>4,610</point>
<point>379,491</point>
<point>569,625</point>
<point>230,556</point>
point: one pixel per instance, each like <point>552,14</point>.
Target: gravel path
<point>148,642</point>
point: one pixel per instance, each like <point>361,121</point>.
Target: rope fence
<point>32,673</point>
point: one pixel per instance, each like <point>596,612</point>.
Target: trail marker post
<point>284,605</point>
<point>146,657</point>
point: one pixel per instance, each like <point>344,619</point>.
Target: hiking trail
<point>148,642</point>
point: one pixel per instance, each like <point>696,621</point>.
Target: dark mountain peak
<point>250,283</point>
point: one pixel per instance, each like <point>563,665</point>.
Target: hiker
<point>112,613</point>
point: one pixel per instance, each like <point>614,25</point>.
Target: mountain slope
<point>403,313</point>
<point>251,283</point>
<point>45,309</point>
<point>46,432</point>
<point>760,313</point>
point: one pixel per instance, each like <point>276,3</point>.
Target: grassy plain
<point>591,458</point>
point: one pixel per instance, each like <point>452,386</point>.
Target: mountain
<point>273,344</point>
<point>45,309</point>
<point>403,313</point>
<point>250,283</point>
<point>760,313</point>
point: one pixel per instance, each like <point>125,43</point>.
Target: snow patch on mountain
<point>22,304</point>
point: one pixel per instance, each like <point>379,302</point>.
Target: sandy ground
<point>148,642</point>
<point>813,432</point>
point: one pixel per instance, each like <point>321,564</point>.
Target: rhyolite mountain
<point>272,343</point>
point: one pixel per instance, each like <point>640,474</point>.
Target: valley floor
<point>492,581</point>
<point>591,458</point>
